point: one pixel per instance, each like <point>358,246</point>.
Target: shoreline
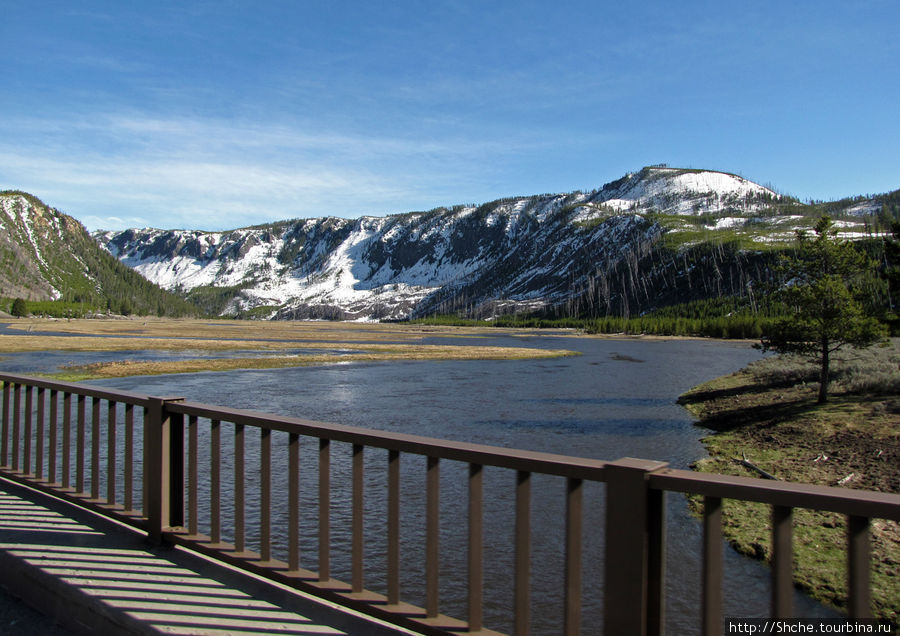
<point>851,441</point>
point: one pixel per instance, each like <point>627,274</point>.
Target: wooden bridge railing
<point>153,481</point>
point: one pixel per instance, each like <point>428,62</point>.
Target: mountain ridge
<point>653,237</point>
<point>509,255</point>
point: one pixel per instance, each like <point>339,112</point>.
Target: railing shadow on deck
<point>95,576</point>
<point>146,454</point>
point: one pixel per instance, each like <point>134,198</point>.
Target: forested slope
<point>48,256</point>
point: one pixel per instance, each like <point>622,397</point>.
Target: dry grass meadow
<point>269,344</point>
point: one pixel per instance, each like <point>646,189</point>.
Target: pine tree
<point>19,309</point>
<point>825,312</point>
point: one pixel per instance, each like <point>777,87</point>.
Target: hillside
<point>48,256</point>
<point>654,237</point>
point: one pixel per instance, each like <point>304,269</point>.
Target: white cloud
<point>110,170</point>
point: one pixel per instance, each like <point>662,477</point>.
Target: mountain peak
<point>685,191</point>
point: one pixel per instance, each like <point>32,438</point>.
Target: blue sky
<point>216,115</point>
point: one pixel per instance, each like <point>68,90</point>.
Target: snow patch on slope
<point>676,191</point>
<point>20,208</point>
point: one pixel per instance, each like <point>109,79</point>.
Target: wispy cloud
<point>187,192</point>
<point>219,174</point>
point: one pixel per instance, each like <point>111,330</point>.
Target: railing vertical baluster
<point>574,523</point>
<point>39,437</point>
<point>79,443</point>
<point>324,509</point>
<point>858,574</point>
<point>522,594</point>
<point>476,548</point>
<point>265,494</point>
<point>215,481</point>
<point>293,501</point>
<point>712,566</point>
<point>358,546</point>
<point>393,528</point>
<point>16,423</point>
<point>95,448</point>
<point>4,443</point>
<point>656,562</point>
<point>432,537</point>
<point>239,487</point>
<point>53,425</point>
<point>67,440</point>
<point>176,469</point>
<point>145,481</point>
<point>193,477</point>
<point>26,439</point>
<point>111,452</point>
<point>782,562</point>
<point>128,484</point>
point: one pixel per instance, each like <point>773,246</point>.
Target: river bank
<point>767,414</point>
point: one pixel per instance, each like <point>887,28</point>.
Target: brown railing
<point>36,448</point>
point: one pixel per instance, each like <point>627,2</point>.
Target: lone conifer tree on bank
<point>822,293</point>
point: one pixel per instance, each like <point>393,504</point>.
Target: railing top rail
<point>863,503</point>
<point>796,495</point>
<point>89,390</point>
<point>532,461</point>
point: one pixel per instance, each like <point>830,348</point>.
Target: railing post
<point>628,532</point>
<point>158,464</point>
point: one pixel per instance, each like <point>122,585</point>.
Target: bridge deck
<point>94,576</point>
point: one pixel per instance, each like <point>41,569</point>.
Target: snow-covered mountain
<point>518,253</point>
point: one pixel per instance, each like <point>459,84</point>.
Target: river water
<point>616,399</point>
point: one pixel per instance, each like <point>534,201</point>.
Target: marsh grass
<point>230,330</point>
<point>356,343</point>
<point>122,368</point>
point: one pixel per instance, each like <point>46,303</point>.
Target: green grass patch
<point>768,414</point>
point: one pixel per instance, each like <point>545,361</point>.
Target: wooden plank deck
<point>94,575</point>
